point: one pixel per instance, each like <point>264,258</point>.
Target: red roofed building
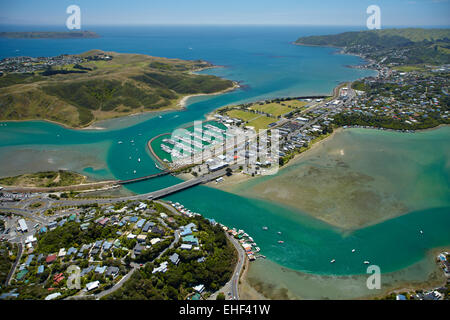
<point>50,258</point>
<point>58,277</point>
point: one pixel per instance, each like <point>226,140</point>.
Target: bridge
<point>155,175</point>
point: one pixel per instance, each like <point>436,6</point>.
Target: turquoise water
<point>267,65</point>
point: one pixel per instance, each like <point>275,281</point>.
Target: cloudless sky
<point>266,12</point>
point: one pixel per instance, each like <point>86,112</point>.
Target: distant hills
<point>399,46</point>
<point>49,35</point>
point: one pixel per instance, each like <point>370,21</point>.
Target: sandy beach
<point>183,102</point>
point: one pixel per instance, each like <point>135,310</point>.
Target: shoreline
<point>183,102</point>
<point>433,279</point>
<point>180,104</point>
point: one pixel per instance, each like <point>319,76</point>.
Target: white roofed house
<point>92,285</point>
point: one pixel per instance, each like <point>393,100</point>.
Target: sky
<point>233,12</point>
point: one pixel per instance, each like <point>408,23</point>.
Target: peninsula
<point>77,90</point>
<point>50,35</point>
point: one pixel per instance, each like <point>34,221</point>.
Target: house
<point>141,238</point>
<point>92,285</point>
<point>62,252</point>
<point>185,246</point>
<point>112,271</point>
<point>199,288</point>
<point>50,258</point>
<point>84,226</point>
<point>190,239</point>
<point>174,258</point>
<point>201,259</point>
<point>155,240</point>
<point>53,296</point>
<point>163,215</point>
<point>100,270</point>
<point>157,230</point>
<point>29,259</point>
<point>21,274</point>
<point>137,250</point>
<point>185,231</point>
<point>98,244</point>
<point>107,245</point>
<point>40,269</point>
<point>140,223</point>
<point>162,268</point>
<point>71,250</point>
<point>133,219</point>
<point>30,239</point>
<point>147,226</point>
<point>87,270</point>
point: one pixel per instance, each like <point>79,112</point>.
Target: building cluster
<point>30,64</point>
<point>406,97</point>
<point>109,236</point>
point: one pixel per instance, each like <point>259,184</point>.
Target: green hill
<point>98,88</point>
<point>400,46</point>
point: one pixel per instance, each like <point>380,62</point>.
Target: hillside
<point>97,85</point>
<point>400,46</point>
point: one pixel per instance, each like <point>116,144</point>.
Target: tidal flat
<point>360,177</point>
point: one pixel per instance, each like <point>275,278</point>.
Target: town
<point>112,247</point>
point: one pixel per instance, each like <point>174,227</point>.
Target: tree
<point>220,296</point>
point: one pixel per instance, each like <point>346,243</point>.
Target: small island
<point>50,35</point>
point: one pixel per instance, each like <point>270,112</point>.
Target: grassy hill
<point>44,179</point>
<point>97,89</point>
<point>401,46</point>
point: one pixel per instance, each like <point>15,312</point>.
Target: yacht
<point>353,250</point>
<point>280,241</point>
<point>265,228</point>
<point>333,261</point>
<point>366,262</point>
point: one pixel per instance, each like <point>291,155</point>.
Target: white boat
<point>139,159</point>
<point>134,171</point>
<point>366,262</point>
<point>333,261</point>
<point>353,250</point>
<point>265,228</point>
<point>279,232</point>
<point>280,241</point>
<point>120,142</point>
<point>421,232</point>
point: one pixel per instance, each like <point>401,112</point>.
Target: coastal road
<point>232,286</point>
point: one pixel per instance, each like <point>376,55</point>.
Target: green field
<point>241,114</point>
<point>410,68</point>
<point>275,109</point>
<point>261,122</point>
